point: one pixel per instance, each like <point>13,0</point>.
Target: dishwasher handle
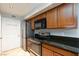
<point>36,42</point>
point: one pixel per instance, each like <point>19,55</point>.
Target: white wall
<point>0,26</point>
<point>11,35</point>
<point>65,32</point>
<point>23,30</point>
<point>0,46</point>
<point>0,33</point>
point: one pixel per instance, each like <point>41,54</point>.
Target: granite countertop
<point>71,46</point>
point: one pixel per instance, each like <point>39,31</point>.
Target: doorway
<point>11,35</point>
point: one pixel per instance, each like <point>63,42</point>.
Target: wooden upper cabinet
<point>32,23</point>
<point>62,16</point>
<point>66,16</point>
<point>52,18</point>
<point>43,15</point>
<point>37,18</point>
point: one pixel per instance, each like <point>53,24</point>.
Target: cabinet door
<point>57,54</point>
<point>43,15</point>
<point>46,52</point>
<point>32,24</point>
<point>52,18</point>
<point>56,51</point>
<point>66,16</point>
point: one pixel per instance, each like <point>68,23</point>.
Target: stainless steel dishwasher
<point>34,46</point>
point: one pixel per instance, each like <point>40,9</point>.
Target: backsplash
<point>64,32</point>
<point>61,32</point>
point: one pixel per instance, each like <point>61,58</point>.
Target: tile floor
<point>16,52</point>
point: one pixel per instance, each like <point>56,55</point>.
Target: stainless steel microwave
<point>40,24</point>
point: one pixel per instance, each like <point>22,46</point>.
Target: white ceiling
<point>18,9</point>
<point>23,10</point>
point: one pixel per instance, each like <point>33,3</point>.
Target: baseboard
<point>11,49</point>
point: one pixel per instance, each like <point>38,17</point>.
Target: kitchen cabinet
<point>50,50</point>
<point>60,17</point>
<point>32,23</point>
<point>66,16</point>
<point>56,54</point>
<point>46,52</point>
<point>52,18</point>
<point>39,17</point>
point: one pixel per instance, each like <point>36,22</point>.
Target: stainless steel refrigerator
<point>26,33</point>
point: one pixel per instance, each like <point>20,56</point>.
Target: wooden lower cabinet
<point>48,50</point>
<point>56,54</point>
